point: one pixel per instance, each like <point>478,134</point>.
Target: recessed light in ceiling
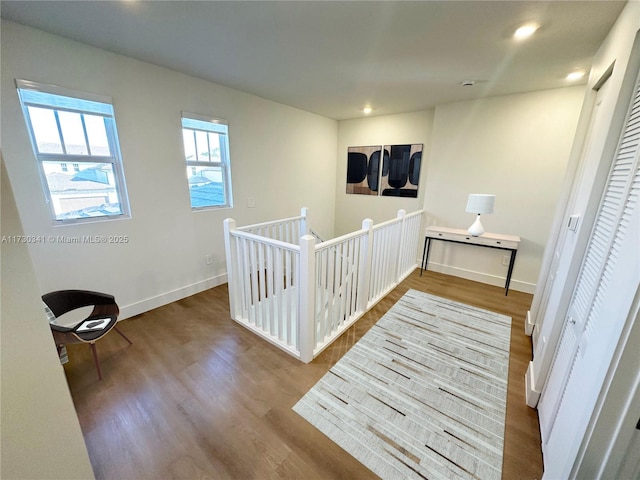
<point>468,83</point>
<point>575,76</point>
<point>525,31</point>
<point>367,110</point>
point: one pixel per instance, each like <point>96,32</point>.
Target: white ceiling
<point>333,57</point>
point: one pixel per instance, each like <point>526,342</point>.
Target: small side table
<point>455,235</point>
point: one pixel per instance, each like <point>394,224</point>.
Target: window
<point>206,151</point>
<point>77,128</point>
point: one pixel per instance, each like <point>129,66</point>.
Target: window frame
<point>224,164</point>
<point>115,159</point>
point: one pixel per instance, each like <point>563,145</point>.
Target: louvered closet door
<point>597,312</point>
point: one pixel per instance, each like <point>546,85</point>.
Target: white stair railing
<point>302,296</point>
<point>338,270</point>
<point>262,276</point>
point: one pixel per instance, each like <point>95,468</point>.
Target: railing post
<point>304,222</point>
<point>230,253</point>
<point>401,214</point>
<point>366,257</point>
<point>306,298</point>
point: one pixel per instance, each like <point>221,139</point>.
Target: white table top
<point>459,235</point>
<point>465,233</point>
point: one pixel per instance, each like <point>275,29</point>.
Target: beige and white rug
<point>422,394</point>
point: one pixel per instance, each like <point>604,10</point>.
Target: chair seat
<point>101,319</point>
<point>99,312</point>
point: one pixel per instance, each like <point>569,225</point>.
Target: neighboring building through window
<point>206,152</point>
<point>73,127</point>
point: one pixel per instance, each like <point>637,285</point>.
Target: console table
<point>491,240</point>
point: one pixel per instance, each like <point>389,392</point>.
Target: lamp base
<point>476,229</point>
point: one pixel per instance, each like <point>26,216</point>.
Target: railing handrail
<point>270,223</point>
<point>265,240</point>
<point>386,223</point>
<point>414,214</point>
<point>342,238</point>
<point>324,243</point>
<point>397,219</point>
<point>319,238</point>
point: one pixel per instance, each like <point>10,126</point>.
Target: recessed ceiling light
<point>525,31</point>
<point>367,110</point>
<point>574,76</point>
<point>468,83</point>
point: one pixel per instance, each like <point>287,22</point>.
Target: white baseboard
<point>137,308</point>
<point>482,277</point>
<point>528,324</point>
<point>532,396</point>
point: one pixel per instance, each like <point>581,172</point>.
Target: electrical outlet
<point>209,259</point>
<point>251,202</point>
<point>505,260</point>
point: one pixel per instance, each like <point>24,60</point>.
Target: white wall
<point>515,147</point>
<point>40,432</point>
<point>281,156</point>
<point>408,128</point>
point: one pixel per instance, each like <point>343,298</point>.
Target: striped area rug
<point>422,394</point>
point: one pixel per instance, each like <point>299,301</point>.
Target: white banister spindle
<point>270,292</point>
<point>254,310</point>
<point>290,301</point>
<point>245,287</point>
<point>307,292</point>
<point>402,214</point>
<point>231,255</point>
<point>366,257</point>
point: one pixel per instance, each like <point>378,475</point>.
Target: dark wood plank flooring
<point>199,397</point>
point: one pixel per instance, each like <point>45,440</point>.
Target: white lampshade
<point>480,203</point>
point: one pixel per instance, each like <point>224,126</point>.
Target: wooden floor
<point>199,397</point>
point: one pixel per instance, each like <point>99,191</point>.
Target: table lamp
<point>479,203</point>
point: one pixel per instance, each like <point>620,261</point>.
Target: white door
<point>607,282</point>
<point>589,157</point>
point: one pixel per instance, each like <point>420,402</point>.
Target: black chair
<point>100,321</point>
